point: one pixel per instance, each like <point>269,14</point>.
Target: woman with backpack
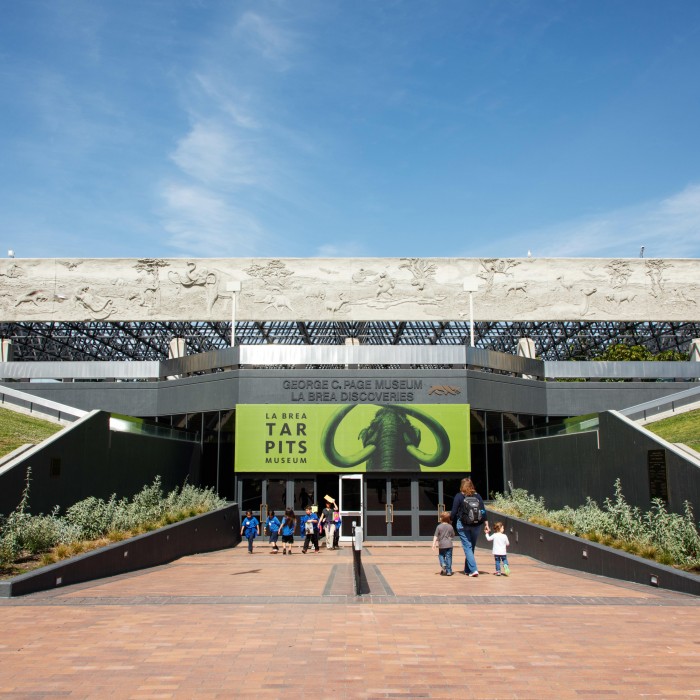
<point>467,515</point>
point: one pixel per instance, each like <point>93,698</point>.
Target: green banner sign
<point>352,438</point>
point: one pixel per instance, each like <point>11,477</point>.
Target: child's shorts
<point>288,539</point>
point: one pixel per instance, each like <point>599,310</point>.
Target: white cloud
<point>667,228</point>
<point>266,38</point>
<point>227,99</point>
<point>219,156</point>
<point>233,164</point>
<point>204,225</point>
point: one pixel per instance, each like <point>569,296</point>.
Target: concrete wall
<point>208,532</point>
<point>564,470</point>
<point>88,459</point>
<point>223,390</point>
<point>579,398</point>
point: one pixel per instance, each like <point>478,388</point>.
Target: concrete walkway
<point>233,625</point>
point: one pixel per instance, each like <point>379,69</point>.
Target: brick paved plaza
<point>233,625</point>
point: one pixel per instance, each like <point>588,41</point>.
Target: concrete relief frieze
<point>353,289</point>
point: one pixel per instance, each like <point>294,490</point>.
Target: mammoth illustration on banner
<point>390,441</point>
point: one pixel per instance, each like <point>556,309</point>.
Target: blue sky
<point>475,128</point>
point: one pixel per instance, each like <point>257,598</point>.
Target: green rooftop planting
<point>684,428</point>
<point>17,429</point>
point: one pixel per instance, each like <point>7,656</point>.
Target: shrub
<point>94,518</point>
<point>670,538</point>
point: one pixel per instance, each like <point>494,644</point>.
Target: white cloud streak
<point>233,156</point>
<point>275,44</point>
<point>203,224</point>
<point>668,228</point>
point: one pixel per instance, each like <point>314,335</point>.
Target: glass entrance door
<point>350,503</point>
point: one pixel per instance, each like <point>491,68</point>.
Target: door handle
<point>389,513</point>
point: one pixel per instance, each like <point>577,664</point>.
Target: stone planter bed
<point>571,552</point>
<point>217,529</point>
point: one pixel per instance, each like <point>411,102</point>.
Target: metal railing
<point>579,424</point>
<point>347,356</point>
<point>622,370</point>
<point>683,400</point>
<point>35,405</point>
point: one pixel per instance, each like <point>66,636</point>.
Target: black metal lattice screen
<point>151,340</point>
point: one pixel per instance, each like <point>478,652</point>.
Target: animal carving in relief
<point>35,297</point>
<point>277,302</point>
<point>334,305</point>
<point>385,286</point>
<point>98,308</point>
<point>619,297</point>
<point>565,285</point>
<point>516,287</point>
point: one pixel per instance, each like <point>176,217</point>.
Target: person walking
<point>467,515</point>
<point>337,522</point>
<point>443,541</point>
<point>250,528</point>
<point>289,524</point>
<point>272,527</point>
<point>500,547</point>
<point>309,527</point>
<point>327,521</point>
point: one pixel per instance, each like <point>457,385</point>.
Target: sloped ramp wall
<point>566,469</point>
<point>88,459</point>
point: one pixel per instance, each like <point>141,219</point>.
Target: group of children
<point>443,542</point>
<point>311,526</point>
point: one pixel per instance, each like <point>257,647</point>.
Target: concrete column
<point>177,348</point>
<point>352,341</point>
<point>526,348</point>
<point>694,350</point>
<point>8,350</point>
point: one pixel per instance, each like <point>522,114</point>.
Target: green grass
<point>683,428</point>
<point>17,429</point>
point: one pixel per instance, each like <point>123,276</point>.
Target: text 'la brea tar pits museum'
<point>379,381</point>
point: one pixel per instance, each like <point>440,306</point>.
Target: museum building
<point>381,382</point>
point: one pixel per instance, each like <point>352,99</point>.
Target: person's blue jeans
<point>468,535</point>
<point>445,557</point>
<point>500,558</point>
<point>250,539</point>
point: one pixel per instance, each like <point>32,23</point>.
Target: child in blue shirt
<point>310,530</point>
<point>250,528</point>
<point>272,525</point>
<point>289,524</point>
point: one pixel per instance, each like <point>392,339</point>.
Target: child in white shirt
<point>500,545</point>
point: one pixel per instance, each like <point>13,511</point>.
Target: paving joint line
<point>500,600</point>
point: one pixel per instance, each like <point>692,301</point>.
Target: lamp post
<point>471,286</point>
<point>233,287</point>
